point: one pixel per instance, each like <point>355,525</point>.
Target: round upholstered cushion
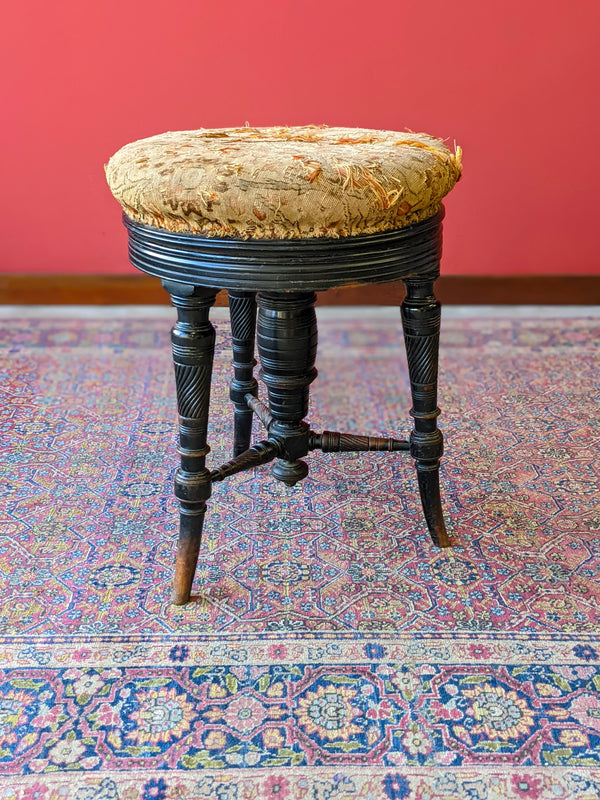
<point>283,183</point>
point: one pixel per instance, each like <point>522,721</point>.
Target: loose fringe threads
<point>455,157</point>
<point>357,177</point>
<point>458,158</point>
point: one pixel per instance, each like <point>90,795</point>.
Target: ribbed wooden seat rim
<point>287,264</point>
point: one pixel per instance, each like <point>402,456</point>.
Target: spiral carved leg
<point>242,310</point>
<point>421,323</point>
<point>193,339</point>
<point>287,344</point>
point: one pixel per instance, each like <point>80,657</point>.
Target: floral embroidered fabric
<point>283,183</point>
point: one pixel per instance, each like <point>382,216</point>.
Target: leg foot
<point>242,431</point>
<point>421,323</point>
<point>188,547</point>
<point>429,488</point>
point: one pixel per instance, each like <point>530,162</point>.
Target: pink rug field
<point>331,652</point>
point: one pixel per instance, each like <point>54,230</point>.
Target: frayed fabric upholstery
<point>283,183</point>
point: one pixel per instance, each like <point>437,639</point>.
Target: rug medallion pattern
<point>331,651</point>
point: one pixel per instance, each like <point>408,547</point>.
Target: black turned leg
<point>421,323</point>
<point>287,344</point>
<point>242,311</point>
<point>193,339</point>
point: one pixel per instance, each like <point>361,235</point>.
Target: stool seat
<point>283,183</point>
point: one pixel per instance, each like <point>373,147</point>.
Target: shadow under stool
<point>271,259</point>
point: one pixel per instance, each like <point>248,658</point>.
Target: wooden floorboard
<point>44,289</point>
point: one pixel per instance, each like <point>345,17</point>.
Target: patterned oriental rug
<point>331,653</point>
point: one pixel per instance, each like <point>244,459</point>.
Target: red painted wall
<point>515,83</point>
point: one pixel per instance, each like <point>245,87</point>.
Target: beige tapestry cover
<point>283,183</point>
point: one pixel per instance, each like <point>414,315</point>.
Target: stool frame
<point>279,278</point>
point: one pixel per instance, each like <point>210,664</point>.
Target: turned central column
<point>287,345</point>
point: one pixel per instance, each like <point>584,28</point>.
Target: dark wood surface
<point>242,313</point>
<point>136,289</point>
<point>287,265</point>
<point>421,316</point>
<point>287,345</point>
<point>193,340</point>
